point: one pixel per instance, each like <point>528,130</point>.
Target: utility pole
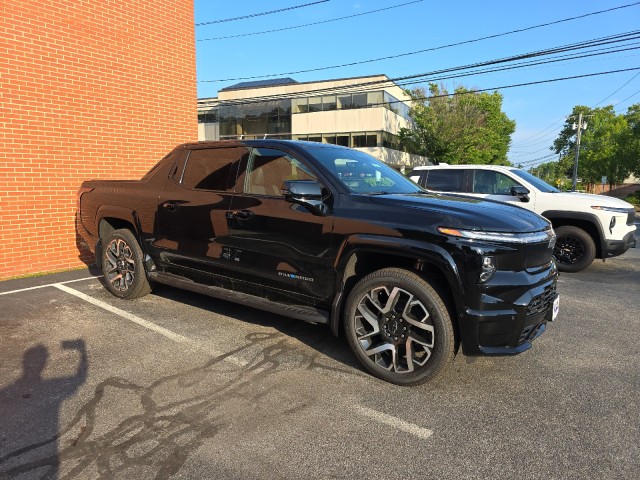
<point>580,127</point>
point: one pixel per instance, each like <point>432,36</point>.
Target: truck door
<point>192,223</point>
<point>278,248</point>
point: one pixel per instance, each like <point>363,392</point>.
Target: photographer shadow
<point>30,409</point>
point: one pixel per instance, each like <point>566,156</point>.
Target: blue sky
<point>538,110</point>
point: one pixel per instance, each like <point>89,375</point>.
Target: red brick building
<point>88,89</point>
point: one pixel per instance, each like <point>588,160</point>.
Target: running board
<point>299,312</point>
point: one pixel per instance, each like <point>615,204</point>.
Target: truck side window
<point>270,168</point>
<point>442,180</point>
<point>213,168</point>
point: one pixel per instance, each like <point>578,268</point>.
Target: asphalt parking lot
<point>178,385</point>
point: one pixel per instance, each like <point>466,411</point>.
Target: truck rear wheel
<point>399,327</point>
<point>574,250</point>
<point>122,265</point>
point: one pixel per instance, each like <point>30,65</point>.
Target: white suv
<point>587,226</point>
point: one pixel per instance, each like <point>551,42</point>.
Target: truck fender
<point>121,213</point>
<point>418,251</point>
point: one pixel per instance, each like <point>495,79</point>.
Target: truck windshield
<point>535,181</point>
<point>362,173</point>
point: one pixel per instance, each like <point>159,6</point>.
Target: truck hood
<point>588,200</point>
<point>467,212</point>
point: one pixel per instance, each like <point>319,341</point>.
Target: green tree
<point>604,149</point>
<point>631,140</point>
<point>466,127</point>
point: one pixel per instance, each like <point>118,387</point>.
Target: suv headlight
<point>610,209</point>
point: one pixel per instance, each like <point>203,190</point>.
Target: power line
<point>414,78</point>
<point>630,96</point>
<point>613,93</point>
<point>308,24</point>
<point>511,32</point>
<point>522,143</point>
<point>259,14</point>
<point>561,58</point>
<point>502,87</point>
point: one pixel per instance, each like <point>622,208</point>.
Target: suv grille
<point>631,217</point>
<point>543,301</point>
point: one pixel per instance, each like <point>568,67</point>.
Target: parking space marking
<point>124,314</point>
<point>395,422</point>
<point>48,285</point>
<point>176,337</point>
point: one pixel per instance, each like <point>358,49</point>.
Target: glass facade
<point>272,119</point>
<point>354,139</point>
<point>254,119</point>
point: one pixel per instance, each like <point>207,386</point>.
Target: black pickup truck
<point>330,235</point>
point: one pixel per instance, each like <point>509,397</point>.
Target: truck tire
<point>122,265</point>
<point>399,327</point>
<point>574,250</point>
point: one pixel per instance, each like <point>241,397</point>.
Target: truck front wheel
<point>122,265</point>
<point>399,327</point>
<point>574,250</point>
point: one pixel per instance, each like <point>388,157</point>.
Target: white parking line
<point>395,422</point>
<point>49,285</point>
<point>176,337</point>
<point>129,316</point>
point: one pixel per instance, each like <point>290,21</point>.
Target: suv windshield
<point>535,181</point>
<point>362,173</point>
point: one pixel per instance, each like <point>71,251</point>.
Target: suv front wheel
<point>399,327</point>
<point>574,250</point>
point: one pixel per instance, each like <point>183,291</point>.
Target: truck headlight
<point>502,237</point>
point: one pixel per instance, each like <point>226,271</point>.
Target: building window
<point>329,102</point>
<point>359,100</point>
<point>342,140</point>
<point>299,105</point>
<point>374,99</point>
<point>345,102</point>
<point>315,104</point>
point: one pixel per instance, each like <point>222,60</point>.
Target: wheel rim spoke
<point>394,330</point>
<point>119,265</point>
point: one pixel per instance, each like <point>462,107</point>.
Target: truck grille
<point>543,301</point>
<point>529,333</point>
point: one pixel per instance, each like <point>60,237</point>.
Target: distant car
<point>587,226</point>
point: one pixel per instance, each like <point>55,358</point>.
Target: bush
<point>634,198</point>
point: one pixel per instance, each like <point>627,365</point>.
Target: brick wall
<point>88,89</point>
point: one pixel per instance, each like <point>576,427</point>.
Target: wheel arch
<point>111,218</point>
<point>430,261</point>
<point>585,221</point>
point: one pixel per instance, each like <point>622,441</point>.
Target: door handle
<point>170,206</point>
<point>242,214</point>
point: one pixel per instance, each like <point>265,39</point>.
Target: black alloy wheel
<point>399,327</point>
<point>122,265</point>
<point>575,250</point>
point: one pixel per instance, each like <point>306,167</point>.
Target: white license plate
<point>556,308</point>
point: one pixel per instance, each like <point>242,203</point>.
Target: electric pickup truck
<point>330,235</point>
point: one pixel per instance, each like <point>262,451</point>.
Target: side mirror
<point>521,192</point>
<point>307,193</point>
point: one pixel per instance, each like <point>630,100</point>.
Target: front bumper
<point>500,325</point>
<point>614,248</point>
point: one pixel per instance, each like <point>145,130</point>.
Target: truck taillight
<point>81,191</point>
